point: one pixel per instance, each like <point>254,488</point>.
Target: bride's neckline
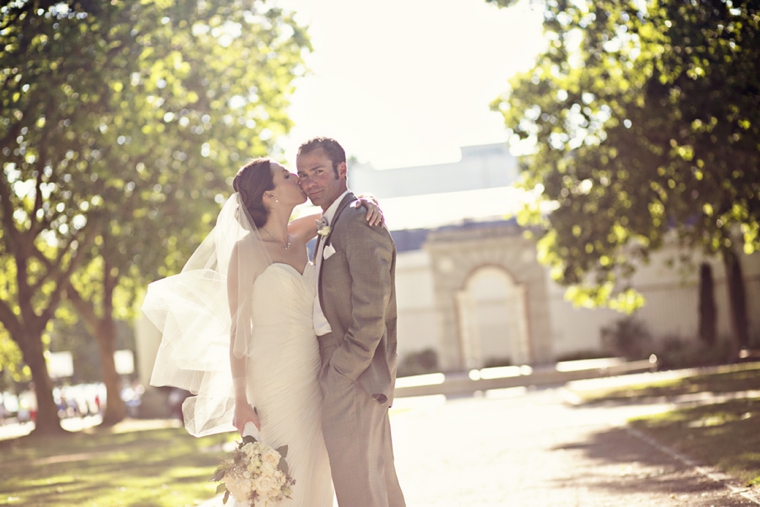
<point>299,271</point>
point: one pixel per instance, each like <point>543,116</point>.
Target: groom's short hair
<point>331,147</point>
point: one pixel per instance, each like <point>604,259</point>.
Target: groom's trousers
<point>358,439</point>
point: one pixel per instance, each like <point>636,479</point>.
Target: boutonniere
<point>322,228</point>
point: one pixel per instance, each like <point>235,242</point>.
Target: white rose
<point>272,457</point>
<point>266,486</point>
<point>267,469</point>
<point>229,481</point>
<point>236,488</point>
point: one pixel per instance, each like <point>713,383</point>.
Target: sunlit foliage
<point>121,124</point>
<point>644,117</point>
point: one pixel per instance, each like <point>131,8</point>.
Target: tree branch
<point>85,309</point>
<point>43,150</point>
<point>63,276</point>
<point>10,321</point>
<point>33,231</point>
<point>9,227</point>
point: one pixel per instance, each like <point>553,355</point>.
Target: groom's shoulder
<point>355,225</point>
<point>352,215</point>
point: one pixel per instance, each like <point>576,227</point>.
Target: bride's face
<point>286,187</point>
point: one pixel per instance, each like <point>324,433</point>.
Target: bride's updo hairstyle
<point>251,181</point>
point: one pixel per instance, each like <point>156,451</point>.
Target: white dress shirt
<point>321,326</point>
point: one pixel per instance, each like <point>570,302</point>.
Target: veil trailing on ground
<point>204,314</point>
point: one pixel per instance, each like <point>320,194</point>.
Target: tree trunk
<point>708,313</point>
<point>103,328</point>
<point>737,299</point>
<point>46,421</point>
<point>116,410</point>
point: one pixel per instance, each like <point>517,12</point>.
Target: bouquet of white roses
<point>257,475</point>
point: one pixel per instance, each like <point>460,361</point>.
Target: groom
<point>355,322</point>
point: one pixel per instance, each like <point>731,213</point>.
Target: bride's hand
<point>374,213</point>
<point>245,413</point>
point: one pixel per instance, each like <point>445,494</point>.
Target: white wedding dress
<point>282,372</point>
<point>192,312</point>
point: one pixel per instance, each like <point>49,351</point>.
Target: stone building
<point>469,285</point>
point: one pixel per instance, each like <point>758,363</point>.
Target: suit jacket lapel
<point>350,197</point>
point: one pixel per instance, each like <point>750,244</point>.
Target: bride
<point>237,327</point>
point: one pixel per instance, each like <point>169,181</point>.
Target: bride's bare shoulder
<point>249,242</point>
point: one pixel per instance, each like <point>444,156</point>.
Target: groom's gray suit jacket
<point>358,297</point>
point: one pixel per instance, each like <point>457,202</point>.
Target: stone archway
<point>493,328</point>
<point>456,254</point>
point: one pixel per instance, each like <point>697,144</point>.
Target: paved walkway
<point>531,449</point>
<point>519,448</point>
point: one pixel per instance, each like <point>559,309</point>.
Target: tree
<point>644,117</point>
<point>70,335</point>
<point>121,124</point>
<point>44,233</point>
<point>708,312</point>
<point>240,102</point>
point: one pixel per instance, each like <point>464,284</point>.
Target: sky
<point>404,83</point>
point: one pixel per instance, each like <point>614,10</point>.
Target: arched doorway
<point>493,326</point>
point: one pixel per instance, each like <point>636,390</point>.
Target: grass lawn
<point>136,465</point>
<point>725,435</point>
<point>723,380</point>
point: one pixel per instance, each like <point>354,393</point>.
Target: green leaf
<point>226,497</point>
<point>219,473</point>
<point>283,465</point>
<point>221,488</point>
<point>283,450</point>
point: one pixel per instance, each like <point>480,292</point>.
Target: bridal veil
<point>204,314</point>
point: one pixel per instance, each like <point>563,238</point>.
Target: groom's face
<point>318,178</point>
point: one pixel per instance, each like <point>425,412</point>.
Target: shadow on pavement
<point>621,463</point>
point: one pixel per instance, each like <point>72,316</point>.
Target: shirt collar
<point>330,213</point>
